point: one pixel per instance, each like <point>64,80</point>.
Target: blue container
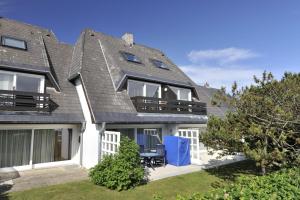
<point>177,150</point>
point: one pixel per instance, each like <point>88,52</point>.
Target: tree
<point>263,121</point>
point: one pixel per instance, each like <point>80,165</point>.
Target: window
<point>139,88</point>
<point>52,145</point>
<point>159,64</point>
<point>21,82</point>
<point>149,137</point>
<point>6,81</point>
<point>182,93</point>
<point>152,90</point>
<point>135,88</point>
<point>15,147</point>
<point>14,43</point>
<point>131,57</point>
<point>28,84</point>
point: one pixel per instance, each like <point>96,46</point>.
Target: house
<point>62,104</point>
<point>40,117</point>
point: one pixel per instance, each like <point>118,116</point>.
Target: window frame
<point>15,74</point>
<point>179,93</point>
<point>123,53</point>
<point>155,63</point>
<point>3,37</point>
<point>145,87</point>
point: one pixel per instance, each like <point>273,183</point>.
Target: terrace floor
<point>19,181</point>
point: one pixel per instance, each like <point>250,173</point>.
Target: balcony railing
<point>11,100</point>
<point>157,105</point>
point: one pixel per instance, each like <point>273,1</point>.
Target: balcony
<point>157,105</point>
<point>11,100</point>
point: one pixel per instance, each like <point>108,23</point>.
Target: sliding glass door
<point>26,147</point>
<point>52,145</point>
<point>149,137</point>
<point>15,147</point>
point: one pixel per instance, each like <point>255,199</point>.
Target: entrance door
<point>110,143</point>
<point>193,135</point>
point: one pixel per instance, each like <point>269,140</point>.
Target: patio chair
<point>161,158</point>
<point>142,150</point>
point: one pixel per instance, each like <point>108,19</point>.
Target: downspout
<point>101,132</point>
<point>82,129</point>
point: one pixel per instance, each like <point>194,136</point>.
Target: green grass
<point>202,182</point>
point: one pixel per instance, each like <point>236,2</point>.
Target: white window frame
<point>15,74</point>
<point>178,93</point>
<point>145,87</point>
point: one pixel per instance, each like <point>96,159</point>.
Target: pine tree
<point>263,121</point>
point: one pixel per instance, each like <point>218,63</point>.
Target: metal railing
<point>157,105</point>
<point>11,100</point>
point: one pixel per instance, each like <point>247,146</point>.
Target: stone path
<point>44,177</point>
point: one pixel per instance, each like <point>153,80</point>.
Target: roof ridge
<point>120,39</point>
<point>27,24</point>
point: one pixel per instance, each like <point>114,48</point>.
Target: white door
<point>110,143</point>
<point>193,135</point>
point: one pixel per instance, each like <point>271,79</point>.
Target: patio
<point>209,161</point>
<point>19,181</point>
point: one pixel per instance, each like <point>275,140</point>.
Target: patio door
<point>193,135</point>
<point>152,138</point>
<point>110,143</point>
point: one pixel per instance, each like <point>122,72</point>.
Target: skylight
<point>131,57</point>
<point>14,43</point>
<point>160,64</point>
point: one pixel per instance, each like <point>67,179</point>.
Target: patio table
<point>148,157</point>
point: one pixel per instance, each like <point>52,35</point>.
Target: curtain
<point>14,147</point>
<point>135,88</point>
<point>152,90</point>
<point>43,147</point>
<point>6,81</point>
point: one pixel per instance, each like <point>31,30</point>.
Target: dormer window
<point>131,57</point>
<point>159,64</point>
<point>13,43</point>
<point>21,82</point>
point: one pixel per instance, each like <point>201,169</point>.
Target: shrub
<point>121,171</point>
<point>284,184</point>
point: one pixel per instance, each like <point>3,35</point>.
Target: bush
<point>284,184</point>
<point>121,171</point>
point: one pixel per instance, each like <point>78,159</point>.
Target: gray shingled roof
<point>98,62</point>
<point>46,54</point>
<point>205,95</point>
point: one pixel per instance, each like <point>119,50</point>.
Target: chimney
<point>128,38</point>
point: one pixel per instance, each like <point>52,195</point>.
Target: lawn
<point>202,182</point>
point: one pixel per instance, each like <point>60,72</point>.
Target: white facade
<point>90,137</point>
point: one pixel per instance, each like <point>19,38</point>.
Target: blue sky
<point>214,41</point>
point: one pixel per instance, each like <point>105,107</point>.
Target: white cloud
<point>221,76</point>
<point>221,67</point>
<point>221,56</point>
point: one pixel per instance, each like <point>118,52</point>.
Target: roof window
<point>13,42</point>
<point>159,64</point>
<point>131,57</point>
